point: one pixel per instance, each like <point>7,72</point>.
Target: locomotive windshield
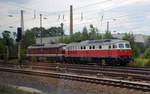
<point>127,45</point>
<point>121,45</point>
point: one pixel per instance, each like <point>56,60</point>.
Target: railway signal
<point>19,34</point>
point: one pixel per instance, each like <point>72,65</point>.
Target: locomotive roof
<point>103,42</point>
<point>47,45</point>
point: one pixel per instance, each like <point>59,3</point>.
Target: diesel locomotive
<point>111,51</point>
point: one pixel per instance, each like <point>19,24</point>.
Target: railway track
<point>115,73</point>
<point>125,73</point>
<point>94,67</point>
<point>105,81</point>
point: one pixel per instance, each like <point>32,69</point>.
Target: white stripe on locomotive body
<point>48,55</point>
<point>47,46</point>
<point>105,45</point>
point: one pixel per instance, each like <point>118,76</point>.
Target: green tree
<point>108,35</point>
<point>14,35</point>
<point>135,50</point>
<point>129,37</point>
<point>36,30</point>
<point>28,39</point>
<point>146,53</point>
<point>99,36</point>
<point>2,47</point>
<point>84,35</point>
<point>6,34</point>
<point>93,32</point>
<point>8,45</point>
<point>53,31</point>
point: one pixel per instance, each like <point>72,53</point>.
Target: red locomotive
<point>112,51</point>
<point>51,52</point>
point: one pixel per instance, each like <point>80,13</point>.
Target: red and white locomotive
<point>112,51</point>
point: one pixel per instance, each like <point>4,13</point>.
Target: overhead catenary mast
<point>108,26</point>
<point>71,20</point>
<point>41,28</point>
<point>22,22</point>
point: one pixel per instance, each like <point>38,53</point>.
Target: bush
<point>140,63</point>
<point>146,53</point>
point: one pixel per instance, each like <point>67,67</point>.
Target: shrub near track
<point>140,62</point>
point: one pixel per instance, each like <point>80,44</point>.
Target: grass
<point>140,62</point>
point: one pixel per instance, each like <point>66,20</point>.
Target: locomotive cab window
<point>127,45</point>
<point>121,45</point>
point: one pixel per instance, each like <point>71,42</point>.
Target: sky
<point>123,15</point>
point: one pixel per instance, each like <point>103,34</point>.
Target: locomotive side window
<point>100,47</point>
<point>84,47</point>
<point>109,46</point>
<point>127,45</point>
<point>121,45</point>
<point>114,46</point>
<point>93,47</point>
<point>90,47</point>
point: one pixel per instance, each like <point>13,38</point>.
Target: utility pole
<point>71,20</point>
<point>7,44</point>
<point>62,28</point>
<point>108,26</point>
<point>41,27</point>
<point>101,25</point>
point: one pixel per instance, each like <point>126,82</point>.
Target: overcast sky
<point>123,15</point>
